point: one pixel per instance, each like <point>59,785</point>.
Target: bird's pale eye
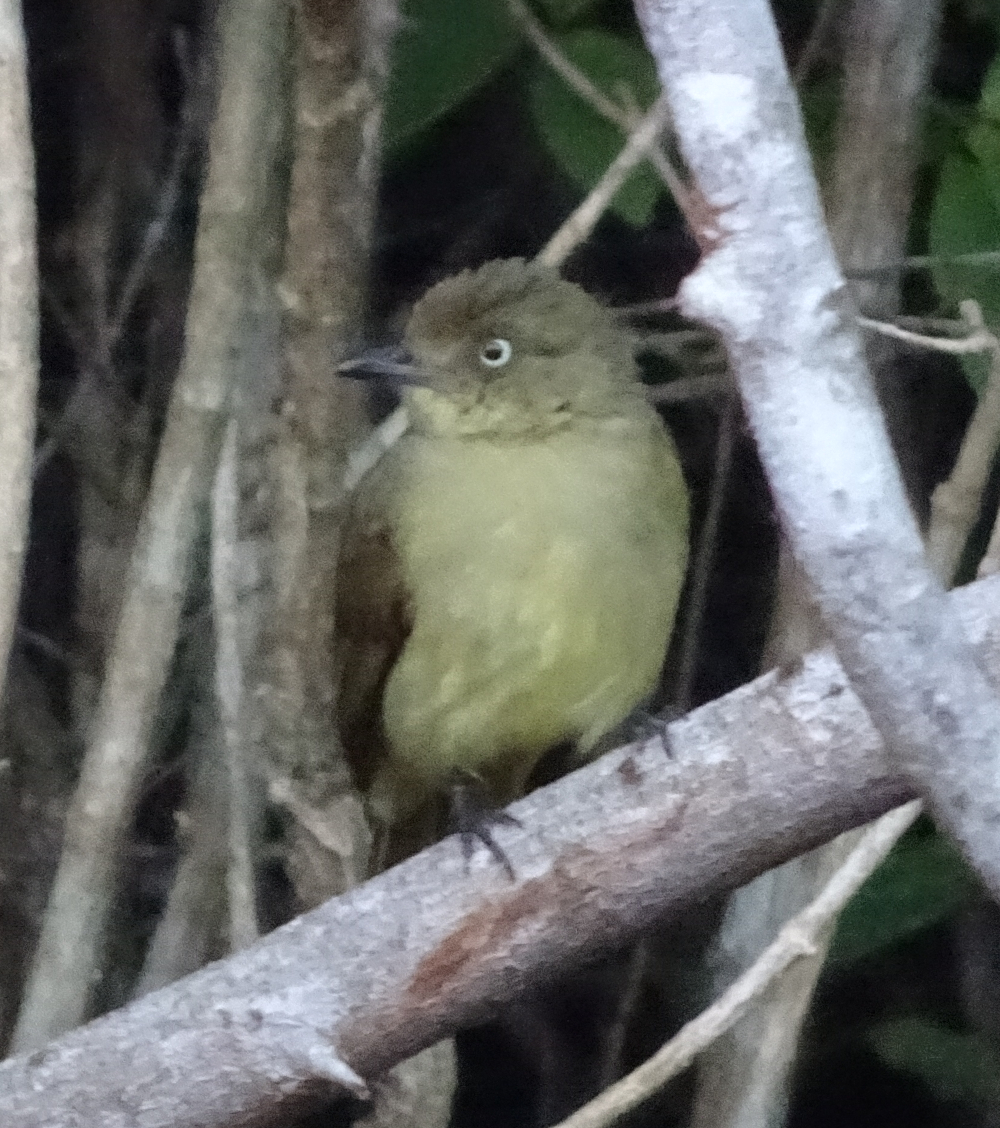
<point>496,353</point>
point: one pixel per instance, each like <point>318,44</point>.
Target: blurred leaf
<point>965,217</point>
<point>444,52</point>
<point>582,142</point>
<point>945,119</point>
<point>922,882</point>
<point>989,96</point>
<point>988,10</point>
<point>954,1066</point>
<point>564,13</point>
<point>820,102</point>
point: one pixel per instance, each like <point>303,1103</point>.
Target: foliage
<point>923,882</point>
<point>584,143</point>
<point>966,215</point>
<point>445,51</point>
<point>448,50</point>
<point>956,1066</point>
<point>448,56</point>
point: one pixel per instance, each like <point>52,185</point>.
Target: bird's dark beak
<point>392,364</point>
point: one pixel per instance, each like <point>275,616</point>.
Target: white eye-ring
<point>496,353</point>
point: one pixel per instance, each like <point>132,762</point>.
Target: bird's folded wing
<point>372,616</point>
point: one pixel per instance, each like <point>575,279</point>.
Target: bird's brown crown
<point>512,347</point>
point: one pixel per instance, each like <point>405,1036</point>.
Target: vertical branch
<point>18,316</point>
<point>743,1080</point>
<point>887,49</point>
<point>26,840</point>
<point>121,129</point>
<point>188,929</point>
<point>68,955</point>
<point>240,811</point>
<point>340,68</point>
<point>704,555</point>
<point>772,289</point>
<point>887,54</point>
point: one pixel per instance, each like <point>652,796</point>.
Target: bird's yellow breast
<point>544,576</point>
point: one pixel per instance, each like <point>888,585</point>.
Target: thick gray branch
<point>773,290</point>
<point>375,975</point>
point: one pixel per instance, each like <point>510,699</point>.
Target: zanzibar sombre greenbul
<point>510,569</point>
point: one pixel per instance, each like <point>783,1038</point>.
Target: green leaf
<point>989,96</point>
<point>979,10</point>
<point>581,141</point>
<point>965,217</point>
<point>444,52</point>
<point>922,882</point>
<point>564,13</point>
<point>954,1066</point>
<point>945,119</point>
<point>820,104</point>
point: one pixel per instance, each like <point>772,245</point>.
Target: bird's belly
<point>541,615</point>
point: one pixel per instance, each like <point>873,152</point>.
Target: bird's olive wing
<point>372,616</point>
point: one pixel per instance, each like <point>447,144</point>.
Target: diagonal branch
<point>584,219</point>
<point>803,936</point>
<point>373,976</point>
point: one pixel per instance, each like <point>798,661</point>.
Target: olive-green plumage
<point>510,570</point>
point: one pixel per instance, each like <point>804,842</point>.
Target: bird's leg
<point>643,726</point>
<point>382,809</point>
<point>473,814</point>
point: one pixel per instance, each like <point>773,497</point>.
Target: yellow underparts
<point>544,578</point>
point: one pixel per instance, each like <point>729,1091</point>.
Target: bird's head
<point>511,349</point>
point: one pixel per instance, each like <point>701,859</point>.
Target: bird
<point>509,571</point>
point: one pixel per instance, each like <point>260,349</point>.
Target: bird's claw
<point>473,817</point>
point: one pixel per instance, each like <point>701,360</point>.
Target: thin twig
<point>187,931</point>
<point>574,78</point>
<point>818,34</point>
<point>626,119</point>
<point>195,110</point>
<point>978,340</point>
<point>923,262</point>
<point>229,682</point>
<point>701,566</point>
<point>648,309</point>
<point>583,220</point>
<point>687,388</point>
<point>796,939</point>
<point>47,646</point>
<point>384,436</point>
<point>955,503</point>
<point>990,563</point>
<point>931,326</point>
<point>628,1004</point>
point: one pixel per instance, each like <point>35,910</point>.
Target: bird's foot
<point>644,726</point>
<point>473,816</point>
